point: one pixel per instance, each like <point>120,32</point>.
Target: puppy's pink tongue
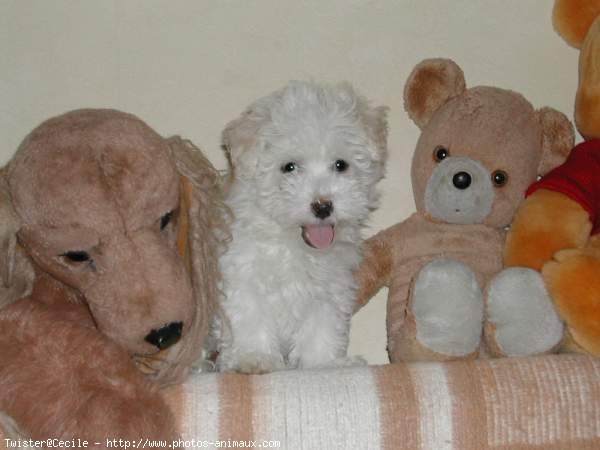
<point>318,236</point>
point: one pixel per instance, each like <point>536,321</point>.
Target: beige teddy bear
<point>479,150</point>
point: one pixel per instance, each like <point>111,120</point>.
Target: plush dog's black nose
<point>166,336</point>
<point>322,208</point>
<point>461,180</point>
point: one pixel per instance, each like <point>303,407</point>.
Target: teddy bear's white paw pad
<point>447,305</point>
<point>521,310</point>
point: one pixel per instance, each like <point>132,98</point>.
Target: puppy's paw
<point>252,363</point>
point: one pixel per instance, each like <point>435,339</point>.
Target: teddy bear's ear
<point>558,138</point>
<point>572,19</point>
<point>431,84</point>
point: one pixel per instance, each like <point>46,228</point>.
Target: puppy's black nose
<point>166,336</point>
<point>461,180</point>
<point>322,208</point>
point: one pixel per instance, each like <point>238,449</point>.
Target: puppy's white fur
<point>287,304</point>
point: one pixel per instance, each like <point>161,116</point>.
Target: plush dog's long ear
<point>431,84</point>
<point>207,232</point>
<point>16,273</point>
<point>8,235</point>
<point>558,138</point>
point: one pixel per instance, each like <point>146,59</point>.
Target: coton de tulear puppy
<point>305,161</point>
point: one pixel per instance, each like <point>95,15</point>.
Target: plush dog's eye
<point>440,153</point>
<point>77,256</point>
<point>341,165</point>
<point>288,167</point>
<point>499,178</point>
<point>165,220</point>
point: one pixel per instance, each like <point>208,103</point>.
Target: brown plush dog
<point>121,228</point>
<point>478,151</point>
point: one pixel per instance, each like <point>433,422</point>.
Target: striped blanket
<point>545,403</point>
<point>550,402</point>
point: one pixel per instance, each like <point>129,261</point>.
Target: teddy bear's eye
<point>165,220</point>
<point>440,153</point>
<point>341,165</point>
<point>77,256</point>
<point>288,167</point>
<point>499,178</point>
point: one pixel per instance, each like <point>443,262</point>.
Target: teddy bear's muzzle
<point>459,191</point>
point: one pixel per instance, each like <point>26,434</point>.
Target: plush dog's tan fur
<point>75,358</point>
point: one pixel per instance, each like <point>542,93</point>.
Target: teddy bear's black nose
<point>166,336</point>
<point>461,180</point>
<point>322,208</point>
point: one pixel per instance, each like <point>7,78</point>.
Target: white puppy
<point>305,161</point>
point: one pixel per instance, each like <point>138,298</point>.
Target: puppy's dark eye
<point>77,256</point>
<point>440,153</point>
<point>288,167</point>
<point>165,220</point>
<point>499,178</point>
<point>341,165</point>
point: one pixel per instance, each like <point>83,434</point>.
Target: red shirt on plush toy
<point>579,179</point>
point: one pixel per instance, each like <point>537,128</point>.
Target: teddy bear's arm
<point>546,222</point>
<point>376,266</point>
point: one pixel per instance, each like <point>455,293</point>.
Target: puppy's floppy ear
<point>431,84</point>
<point>240,141</point>
<point>372,119</point>
<point>206,223</point>
<point>16,273</point>
<point>558,138</point>
<point>375,121</point>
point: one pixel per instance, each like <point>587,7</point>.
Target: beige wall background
<point>188,67</point>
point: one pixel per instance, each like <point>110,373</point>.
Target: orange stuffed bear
<point>557,228</point>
